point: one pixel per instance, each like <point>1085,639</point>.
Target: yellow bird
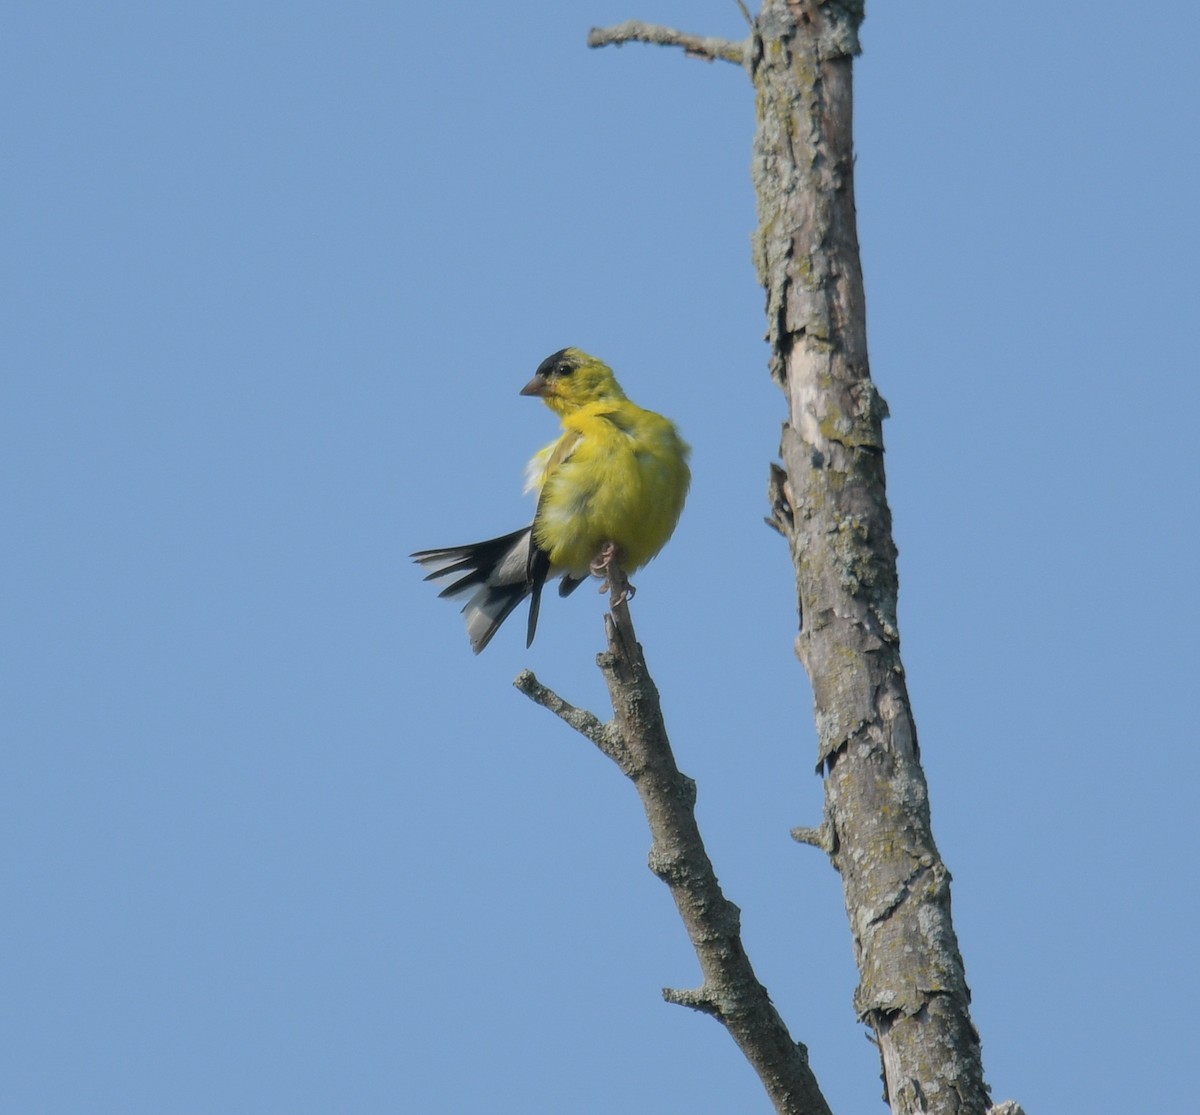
<point>610,491</point>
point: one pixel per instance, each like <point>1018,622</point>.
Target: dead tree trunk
<point>829,502</point>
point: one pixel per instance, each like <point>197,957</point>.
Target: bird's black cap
<point>560,363</point>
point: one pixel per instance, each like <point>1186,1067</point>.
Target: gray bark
<point>636,740</point>
<point>829,502</point>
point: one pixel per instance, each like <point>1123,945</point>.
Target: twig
<point>819,837</point>
<point>636,740</point>
<point>604,736</point>
<point>708,47</point>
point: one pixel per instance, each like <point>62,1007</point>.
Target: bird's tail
<point>500,572</point>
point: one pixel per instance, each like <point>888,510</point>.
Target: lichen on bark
<point>829,501</point>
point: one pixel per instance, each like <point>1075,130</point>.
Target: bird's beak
<point>536,386</point>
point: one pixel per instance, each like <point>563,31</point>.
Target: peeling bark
<point>829,502</point>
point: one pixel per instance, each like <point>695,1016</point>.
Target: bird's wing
<point>555,456</point>
<point>569,584</point>
<point>541,468</point>
<point>547,461</point>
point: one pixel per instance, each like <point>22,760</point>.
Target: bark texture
<point>829,502</point>
<point>636,740</point>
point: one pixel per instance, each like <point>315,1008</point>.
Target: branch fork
<point>636,740</point>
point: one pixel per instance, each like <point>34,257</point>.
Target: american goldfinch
<point>610,491</point>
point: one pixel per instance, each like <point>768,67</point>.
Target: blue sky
<point>274,841</point>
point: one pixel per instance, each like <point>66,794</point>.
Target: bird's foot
<point>606,564</point>
<point>605,561</point>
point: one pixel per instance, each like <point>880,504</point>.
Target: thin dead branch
<point>636,740</point>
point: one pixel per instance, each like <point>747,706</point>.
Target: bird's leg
<point>606,564</point>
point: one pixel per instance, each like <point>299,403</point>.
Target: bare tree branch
<point>636,740</point>
<point>698,46</point>
<point>604,736</point>
<point>820,837</point>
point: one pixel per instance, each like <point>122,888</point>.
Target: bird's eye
<point>564,369</point>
